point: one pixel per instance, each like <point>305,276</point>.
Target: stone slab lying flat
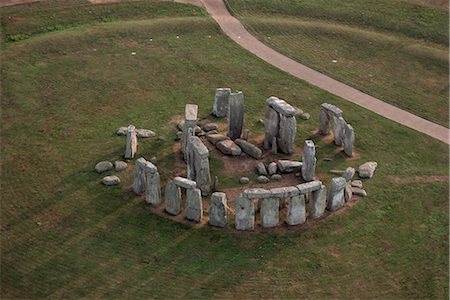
<point>216,137</point>
<point>332,108</point>
<point>249,148</point>
<point>257,193</point>
<point>288,166</point>
<point>228,147</point>
<point>285,192</point>
<point>281,106</point>
<point>309,186</point>
<point>184,182</point>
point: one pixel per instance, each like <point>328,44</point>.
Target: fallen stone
<point>367,169</point>
<point>184,182</point>
<point>261,121</point>
<point>210,126</point>
<point>318,202</point>
<point>215,138</point>
<point>276,177</point>
<point>257,193</point>
<point>272,168</point>
<point>359,192</point>
<point>121,131</point>
<point>285,192</point>
<point>144,133</point>
<point>270,215</point>
<point>221,101</point>
<point>348,194</point>
<point>357,184</point>
<point>245,214</point>
<point>172,198</point>
<point>305,116</point>
<point>228,147</point>
<point>262,179</point>
<point>211,132</point>
<point>296,211</point>
<point>309,186</point>
<point>336,197</point>
<point>261,168</point>
<point>249,148</point>
<point>348,173</point>
<point>120,165</point>
<point>281,106</point>
<point>337,172</point>
<point>244,180</point>
<point>111,180</point>
<point>288,166</point>
<point>194,205</point>
<point>217,210</point>
<point>103,166</point>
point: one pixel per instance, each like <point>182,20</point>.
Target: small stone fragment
<point>244,180</point>
<point>272,168</point>
<point>111,180</point>
<point>305,116</point>
<point>359,192</point>
<point>348,173</point>
<point>288,166</point>
<point>228,147</point>
<point>367,169</point>
<point>261,168</point>
<point>216,184</point>
<point>179,135</point>
<point>276,177</point>
<point>144,133</point>
<point>262,179</point>
<point>210,126</point>
<point>357,184</point>
<point>249,148</point>
<point>211,132</point>
<point>103,166</point>
<point>120,165</point>
<point>121,131</point>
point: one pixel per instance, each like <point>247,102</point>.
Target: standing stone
<point>245,214</point>
<point>217,210</point>
<point>190,122</point>
<point>132,142</point>
<point>324,119</point>
<point>194,205</point>
<point>235,115</point>
<point>216,184</point>
<point>272,168</point>
<point>139,176</point>
<point>349,140</point>
<point>172,198</point>
<point>198,164</point>
<point>286,136</point>
<point>271,127</point>
<point>309,161</point>
<point>336,197</point>
<point>245,134</point>
<point>153,190</point>
<point>270,215</point>
<point>348,173</point>
<point>318,202</point>
<point>274,149</point>
<point>221,100</point>
<point>338,130</point>
<point>296,212</point>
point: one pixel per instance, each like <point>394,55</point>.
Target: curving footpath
<point>236,31</point>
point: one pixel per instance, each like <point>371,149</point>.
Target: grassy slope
<point>63,95</point>
<point>380,46</point>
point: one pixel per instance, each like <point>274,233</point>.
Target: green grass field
<point>64,235</point>
<point>394,50</point>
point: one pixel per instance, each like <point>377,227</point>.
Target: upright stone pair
<point>147,179</point>
<point>190,121</point>
<point>280,124</point>
<point>132,143</point>
<point>198,164</point>
<point>193,203</point>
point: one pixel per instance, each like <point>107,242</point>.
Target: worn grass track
<point>65,92</point>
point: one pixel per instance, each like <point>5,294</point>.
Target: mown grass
<point>63,95</point>
<point>395,51</point>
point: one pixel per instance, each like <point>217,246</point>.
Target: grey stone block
<point>288,166</point>
<point>257,193</point>
<point>217,210</point>
<point>249,148</point>
<point>336,197</point>
<point>221,101</point>
<point>285,192</point>
<point>235,115</point>
<point>271,127</point>
<point>184,182</point>
<point>194,205</point>
<point>286,135</point>
<point>132,143</point>
<point>270,215</point>
<point>244,214</point>
<point>228,147</point>
<point>281,106</point>
<point>172,198</point>
<point>309,161</point>
<point>309,186</point>
<point>296,210</point>
<point>318,202</point>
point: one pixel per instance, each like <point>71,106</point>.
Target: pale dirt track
<point>236,31</point>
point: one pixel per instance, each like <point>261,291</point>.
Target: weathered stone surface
<point>179,135</point>
<point>244,180</point>
<point>235,115</point>
<point>132,144</point>
<point>249,148</point>
<point>190,123</point>
<point>348,194</point>
<point>139,176</point>
<point>332,109</point>
<point>103,166</point>
<point>281,106</point>
<point>122,131</point>
<point>338,130</point>
<point>262,179</point>
<point>120,165</point>
<point>221,100</point>
<point>324,119</point>
<point>257,193</point>
<point>216,184</point>
<point>298,111</point>
<point>111,180</point>
<point>244,214</point>
<point>284,192</point>
<point>309,186</point>
<point>271,127</point>
<point>318,202</point>
<point>261,168</point>
<point>201,133</point>
<point>197,130</point>
<point>245,134</point>
<point>228,147</point>
<point>274,149</point>
<point>357,184</point>
<point>172,198</point>
<point>215,138</point>
<point>336,197</point>
<point>296,210</point>
<point>286,135</point>
<point>270,215</point>
<point>211,132</point>
<point>288,166</point>
<point>309,161</point>
<point>348,173</point>
<point>367,169</point>
<point>153,185</point>
<point>276,177</point>
<point>217,210</point>
<point>210,126</point>
<point>194,205</point>
<point>348,139</point>
<point>359,192</point>
<point>144,133</point>
<point>180,125</point>
<point>184,182</point>
<point>198,164</point>
<point>305,116</point>
<point>272,168</point>
<point>190,112</point>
